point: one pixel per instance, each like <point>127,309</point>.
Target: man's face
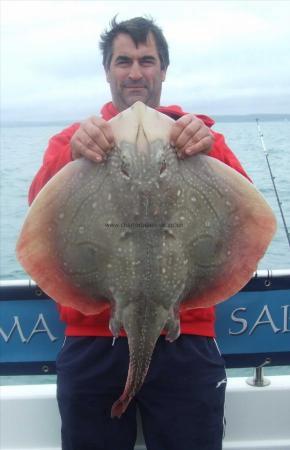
<point>135,72</point>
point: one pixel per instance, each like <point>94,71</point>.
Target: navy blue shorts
<point>181,403</point>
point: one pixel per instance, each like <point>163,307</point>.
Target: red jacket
<point>58,153</point>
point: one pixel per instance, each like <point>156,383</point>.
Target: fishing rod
<point>273,180</point>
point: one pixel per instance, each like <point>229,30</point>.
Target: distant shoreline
<point>251,117</point>
<point>216,117</point>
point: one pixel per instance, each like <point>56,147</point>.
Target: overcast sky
<point>227,57</point>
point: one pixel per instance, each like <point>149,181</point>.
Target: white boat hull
<point>258,418</point>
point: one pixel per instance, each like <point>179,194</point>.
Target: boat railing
<point>252,327</point>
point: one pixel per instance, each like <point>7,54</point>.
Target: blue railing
<point>252,326</point>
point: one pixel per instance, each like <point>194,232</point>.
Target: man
<point>182,400</point>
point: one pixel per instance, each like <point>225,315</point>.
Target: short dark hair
<point>138,29</point>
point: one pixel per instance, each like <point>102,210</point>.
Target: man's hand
<point>190,136</point>
<point>93,140</point>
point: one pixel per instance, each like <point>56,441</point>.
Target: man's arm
<point>56,156</point>
<point>93,139</point>
<point>221,151</point>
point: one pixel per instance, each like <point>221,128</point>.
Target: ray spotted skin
<point>145,234</point>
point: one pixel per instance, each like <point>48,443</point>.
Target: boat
<point>253,330</point>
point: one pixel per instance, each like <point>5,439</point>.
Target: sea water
<point>22,148</point>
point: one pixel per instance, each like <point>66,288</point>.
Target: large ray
<point>145,234</point>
